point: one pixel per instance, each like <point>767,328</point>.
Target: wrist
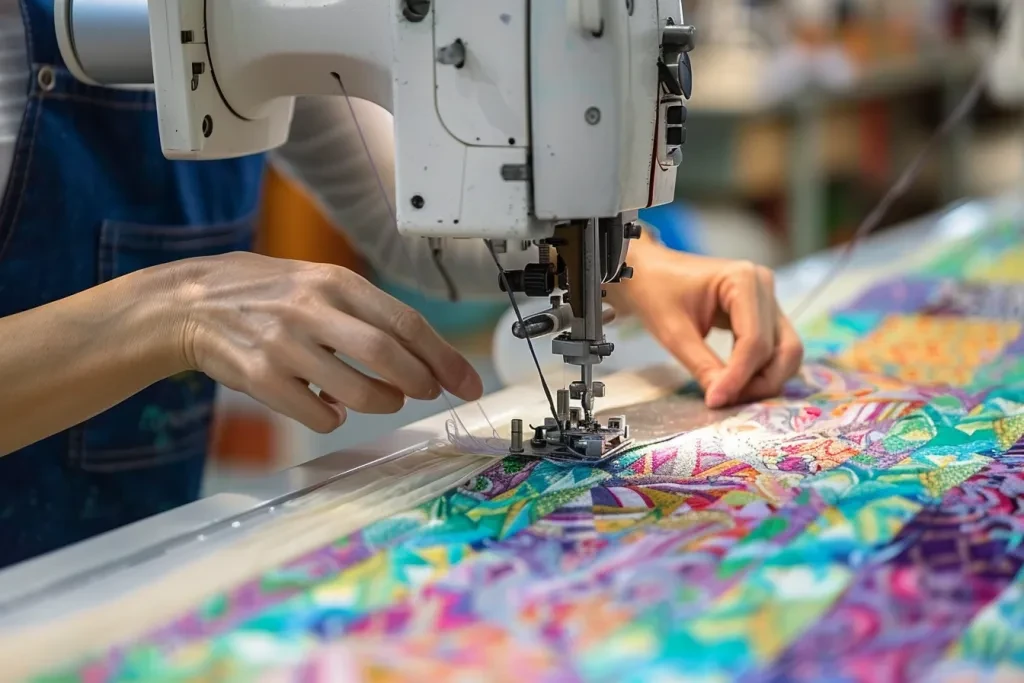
<point>157,315</point>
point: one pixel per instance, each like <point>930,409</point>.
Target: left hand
<point>681,297</point>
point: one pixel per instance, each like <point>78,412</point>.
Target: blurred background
<point>803,113</point>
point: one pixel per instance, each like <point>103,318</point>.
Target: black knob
<point>415,10</point>
<point>676,115</point>
<point>675,136</point>
<point>537,279</point>
<point>632,231</point>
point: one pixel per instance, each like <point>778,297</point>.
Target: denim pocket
<point>170,420</point>
<point>127,247</point>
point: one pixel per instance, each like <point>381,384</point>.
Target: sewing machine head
<point>524,123</point>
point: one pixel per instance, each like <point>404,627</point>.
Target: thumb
<point>691,349</point>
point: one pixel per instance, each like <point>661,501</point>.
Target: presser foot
<point>581,443</point>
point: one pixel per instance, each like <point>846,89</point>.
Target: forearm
<point>65,362</point>
<point>327,153</point>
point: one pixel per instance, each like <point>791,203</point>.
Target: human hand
<point>271,327</point>
<point>681,297</point>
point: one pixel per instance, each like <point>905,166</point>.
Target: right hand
<point>271,327</point>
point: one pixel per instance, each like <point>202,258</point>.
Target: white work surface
<point>46,590</point>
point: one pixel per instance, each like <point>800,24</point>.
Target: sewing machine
<point>529,124</point>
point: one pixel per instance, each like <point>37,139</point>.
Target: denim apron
<point>91,198</point>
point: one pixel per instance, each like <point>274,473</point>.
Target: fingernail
<point>715,398</point>
<point>471,387</point>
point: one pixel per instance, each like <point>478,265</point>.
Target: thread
<point>454,424</point>
<point>529,342</point>
<point>461,439</point>
<point>436,257</point>
<point>903,183</point>
<point>522,323</point>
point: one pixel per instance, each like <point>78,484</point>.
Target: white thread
<point>494,432</point>
<point>456,420</point>
<point>903,183</point>
<point>467,443</point>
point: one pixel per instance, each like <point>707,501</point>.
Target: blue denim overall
<point>90,198</point>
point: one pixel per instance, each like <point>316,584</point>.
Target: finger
<point>410,329</point>
<point>754,328</point>
<point>784,366</point>
<point>691,349</point>
<point>335,404</point>
<point>378,351</point>
<point>292,398</point>
<point>344,384</point>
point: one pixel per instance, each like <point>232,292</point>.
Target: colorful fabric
<point>868,526</point>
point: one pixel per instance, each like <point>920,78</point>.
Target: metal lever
<point>553,321</point>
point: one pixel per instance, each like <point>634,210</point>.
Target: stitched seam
<point>140,463</point>
<point>24,182</point>
<point>114,460</point>
<point>220,228</point>
<point>115,248</point>
<point>114,242</point>
<point>110,104</point>
<point>101,96</point>
<point>185,245</point>
<point>186,441</point>
<point>76,439</point>
<point>26,13</point>
<point>103,265</point>
<point>195,435</point>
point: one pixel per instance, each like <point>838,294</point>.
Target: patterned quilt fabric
<point>865,527</point>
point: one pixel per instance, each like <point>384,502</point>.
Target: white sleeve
<point>327,154</point>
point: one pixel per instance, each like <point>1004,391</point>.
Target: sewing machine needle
<point>587,375</point>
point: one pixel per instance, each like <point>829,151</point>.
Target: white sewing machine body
<point>546,122</point>
<point>538,112</point>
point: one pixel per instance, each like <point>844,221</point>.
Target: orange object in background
<point>858,39</point>
<point>291,226</point>
<point>244,438</point>
<point>876,148</point>
<point>901,36</point>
